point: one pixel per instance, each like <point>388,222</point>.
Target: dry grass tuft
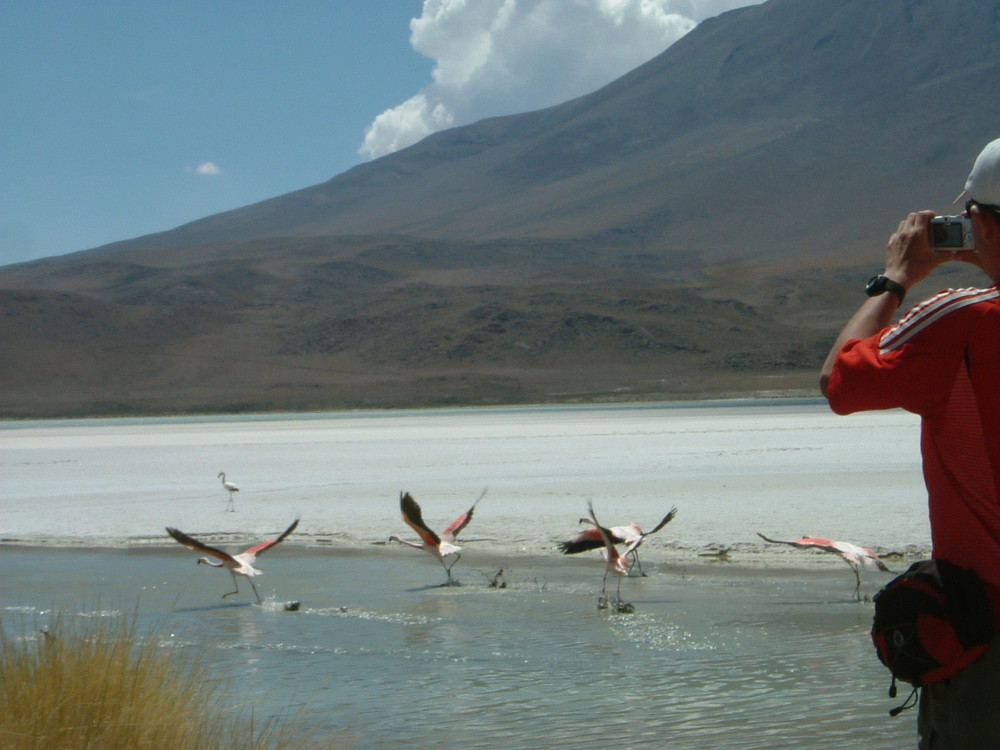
<point>99,685</point>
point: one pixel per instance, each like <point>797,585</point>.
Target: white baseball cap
<point>983,185</point>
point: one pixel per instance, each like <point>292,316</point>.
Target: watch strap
<point>880,284</point>
<point>896,288</point>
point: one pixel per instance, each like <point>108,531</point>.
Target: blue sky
<point>129,117</point>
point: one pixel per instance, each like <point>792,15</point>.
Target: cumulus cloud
<point>206,168</point>
<point>497,57</point>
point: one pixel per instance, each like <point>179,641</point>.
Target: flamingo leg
<point>447,568</point>
<point>230,506</point>
<point>857,577</point>
<point>236,586</point>
<point>254,590</point>
<point>602,600</point>
<point>636,565</point>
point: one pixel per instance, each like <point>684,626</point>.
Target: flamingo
<point>630,534</point>
<point>238,565</point>
<point>230,488</point>
<point>619,564</point>
<point>439,546</point>
<point>852,554</point>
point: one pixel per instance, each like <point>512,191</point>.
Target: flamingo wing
<point>628,534</point>
<point>823,542</point>
<point>415,520</point>
<point>666,519</point>
<point>806,542</point>
<point>259,549</point>
<point>462,521</point>
<point>854,549</point>
<point>609,545</point>
<point>587,539</point>
<point>193,544</point>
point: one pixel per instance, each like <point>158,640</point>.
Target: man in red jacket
<point>942,361</point>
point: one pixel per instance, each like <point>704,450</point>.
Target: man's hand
<point>909,257</point>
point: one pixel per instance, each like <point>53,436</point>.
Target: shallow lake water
<point>733,642</point>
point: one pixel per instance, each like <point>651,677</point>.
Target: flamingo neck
<point>395,538</point>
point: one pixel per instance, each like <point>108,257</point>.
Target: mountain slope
<point>806,107</point>
<point>701,226</point>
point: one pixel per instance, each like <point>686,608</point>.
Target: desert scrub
<point>97,684</point>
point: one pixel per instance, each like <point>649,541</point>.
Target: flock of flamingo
<point>445,549</point>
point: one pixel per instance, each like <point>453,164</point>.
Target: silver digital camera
<point>952,233</point>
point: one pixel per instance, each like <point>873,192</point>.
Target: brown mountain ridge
<point>700,227</point>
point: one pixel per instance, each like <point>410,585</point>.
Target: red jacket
<point>942,361</point>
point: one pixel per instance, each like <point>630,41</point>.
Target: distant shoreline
<point>754,398</point>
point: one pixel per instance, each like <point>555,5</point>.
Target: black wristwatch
<point>879,284</point>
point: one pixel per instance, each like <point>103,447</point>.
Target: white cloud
<point>206,168</point>
<point>497,57</point>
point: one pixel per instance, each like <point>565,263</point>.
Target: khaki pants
<point>963,713</point>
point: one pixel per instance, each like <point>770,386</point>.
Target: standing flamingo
<point>439,546</point>
<point>230,488</point>
<point>237,565</point>
<point>619,564</point>
<point>630,534</point>
<point>852,554</point>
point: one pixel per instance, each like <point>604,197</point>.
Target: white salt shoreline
<point>782,469</point>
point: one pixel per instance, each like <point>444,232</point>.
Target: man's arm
<point>908,260</point>
<point>874,315</point>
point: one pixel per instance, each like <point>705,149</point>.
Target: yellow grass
<point>99,685</point>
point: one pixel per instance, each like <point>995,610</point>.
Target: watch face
<point>876,285</point>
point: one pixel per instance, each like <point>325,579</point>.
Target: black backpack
<point>930,622</point>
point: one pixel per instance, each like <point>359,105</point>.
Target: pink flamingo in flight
<point>237,565</point>
<point>631,535</point>
<point>616,563</point>
<point>438,546</point>
<point>852,554</point>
